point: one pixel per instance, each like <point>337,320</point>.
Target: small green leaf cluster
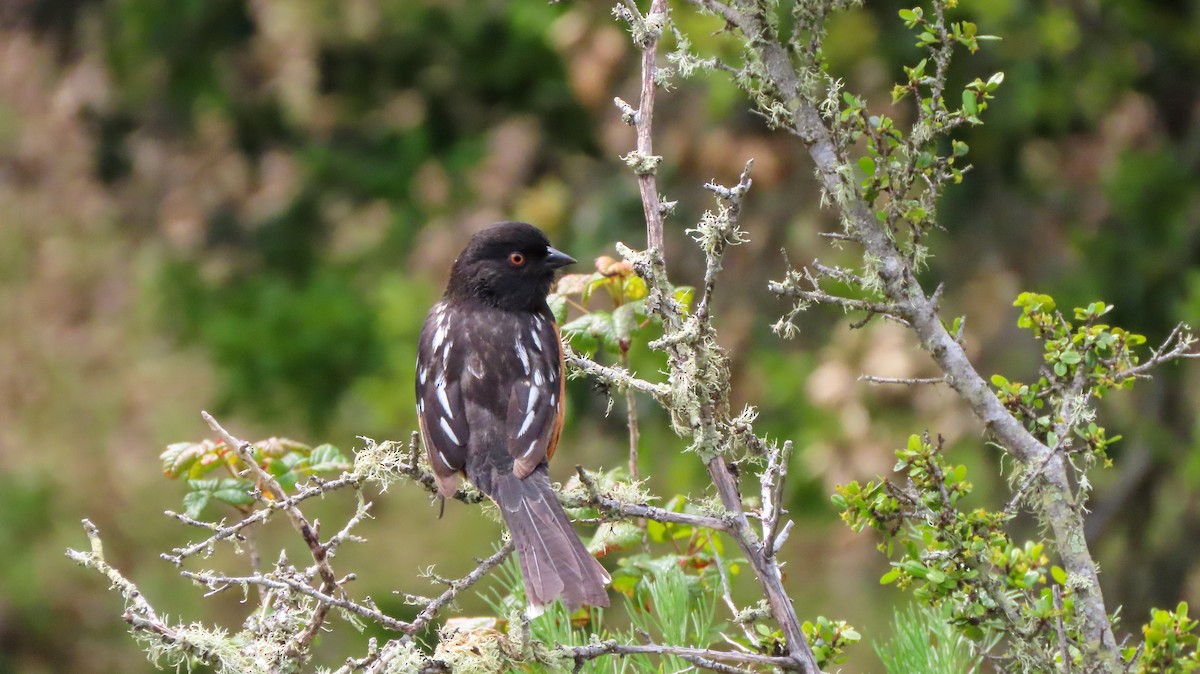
<point>829,639</point>
<point>613,330</point>
<point>1171,643</point>
<point>959,559</point>
<point>288,461</point>
<point>1083,358</point>
<point>903,173</point>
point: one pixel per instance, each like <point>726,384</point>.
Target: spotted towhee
<point>490,402</point>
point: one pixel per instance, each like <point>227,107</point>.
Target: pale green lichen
<point>642,164</point>
<point>380,463</point>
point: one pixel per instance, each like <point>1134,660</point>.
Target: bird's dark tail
<point>554,562</point>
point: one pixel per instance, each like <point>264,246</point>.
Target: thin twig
<point>651,24</point>
<point>1178,344</point>
<point>1062,630</point>
<point>639,510</point>
<point>632,417</point>
<point>618,378</point>
<point>593,651</point>
<point>218,582</point>
<point>329,584</point>
<point>392,648</point>
<point>909,381</point>
<point>225,532</point>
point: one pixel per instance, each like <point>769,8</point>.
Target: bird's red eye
<point>517,259</point>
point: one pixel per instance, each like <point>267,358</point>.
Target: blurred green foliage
<point>250,206</point>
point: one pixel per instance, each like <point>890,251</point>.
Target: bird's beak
<point>555,258</point>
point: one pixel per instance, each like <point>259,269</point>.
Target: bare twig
<point>772,479</point>
<point>908,381</point>
<point>224,532</point>
<point>593,651</point>
<point>217,582</point>
<point>638,510</point>
<point>1061,629</point>
<point>632,419</point>
<point>618,378</point>
<point>391,649</point>
<point>329,584</point>
<point>1179,344</point>
<point>651,28</point>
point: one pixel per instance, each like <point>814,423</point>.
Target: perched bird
<point>490,403</point>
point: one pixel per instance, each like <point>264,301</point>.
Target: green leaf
<point>595,327</point>
<point>558,307</point>
<point>867,164</point>
<point>597,281</point>
<point>327,458</point>
<point>684,295</point>
<point>234,491</point>
<point>194,502</point>
<point>656,530</point>
<point>625,322</point>
<point>635,288</point>
<point>889,577</point>
<point>969,104</point>
<point>614,536</point>
<point>177,458</point>
<point>1059,575</point>
<point>572,284</point>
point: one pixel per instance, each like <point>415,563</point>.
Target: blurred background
<point>247,206</point>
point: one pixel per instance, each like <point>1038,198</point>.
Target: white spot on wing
<point>528,421</point>
<point>537,378</point>
<point>475,366</point>
<point>529,451</point>
<point>523,355</point>
<point>424,374</point>
<point>536,341</point>
<point>450,434</point>
<point>444,459</point>
<point>440,336</point>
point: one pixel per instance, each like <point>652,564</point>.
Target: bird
<point>489,395</point>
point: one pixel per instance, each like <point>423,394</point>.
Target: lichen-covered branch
<point>698,372</point>
<point>320,554</point>
<point>592,651</point>
<point>792,95</point>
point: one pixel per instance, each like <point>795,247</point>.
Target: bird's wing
<point>441,415</point>
<point>535,401</point>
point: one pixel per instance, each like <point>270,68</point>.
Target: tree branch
<point>593,651</point>
<point>903,292</point>
<point>320,555</point>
